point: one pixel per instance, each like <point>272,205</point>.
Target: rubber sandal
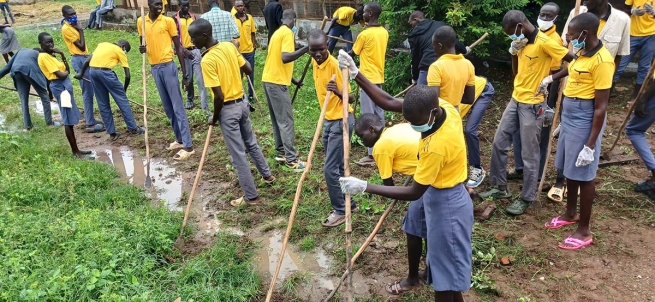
<point>557,223</point>
<point>574,244</point>
<point>55,124</point>
<point>115,137</point>
<point>242,201</point>
<point>183,155</point>
<point>189,105</point>
<point>174,146</point>
<point>556,194</point>
<point>333,220</point>
<point>86,152</point>
<point>270,179</point>
<point>396,289</point>
<point>95,128</point>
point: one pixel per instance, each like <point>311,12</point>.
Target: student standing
<point>223,25</point>
<point>325,66</point>
<point>9,42</point>
<point>57,72</point>
<point>160,31</point>
<point>533,52</point>
<point>221,66</point>
<point>584,110</point>
<point>643,118</point>
<point>105,82</point>
<point>4,6</point>
<point>73,35</point>
<point>342,19</point>
<point>273,17</point>
<point>247,41</point>
<point>484,93</point>
<point>371,47</point>
<point>192,57</point>
<point>278,74</point>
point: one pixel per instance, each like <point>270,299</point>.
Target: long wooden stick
<point>309,62</point>
<point>346,173</point>
<point>296,198</point>
<point>340,39</point>
<point>253,89</point>
<point>12,89</point>
<point>195,182</point>
<point>403,92</point>
<point>148,182</point>
<point>367,242</point>
<point>151,109</point>
<point>478,41</point>
<point>608,154</point>
<point>558,105</point>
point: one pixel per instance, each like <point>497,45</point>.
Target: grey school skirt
<point>577,116</point>
<point>449,219</point>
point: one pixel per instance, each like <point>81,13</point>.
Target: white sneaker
<point>476,176</point>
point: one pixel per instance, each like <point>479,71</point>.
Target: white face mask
<point>545,25</point>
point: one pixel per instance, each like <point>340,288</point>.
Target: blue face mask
<point>71,20</point>
<point>424,127</point>
<point>514,37</point>
<point>294,29</point>
<point>577,44</point>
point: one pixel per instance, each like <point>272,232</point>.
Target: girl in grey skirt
<point>583,121</point>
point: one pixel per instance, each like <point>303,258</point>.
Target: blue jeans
<point>333,168</point>
<point>106,82</point>
<point>646,48</point>
<point>5,9</point>
<point>473,122</point>
<point>422,77</point>
<point>250,57</point>
<point>168,86</point>
<point>339,31</point>
<point>87,89</point>
<point>92,18</point>
<point>635,130</point>
<point>22,84</point>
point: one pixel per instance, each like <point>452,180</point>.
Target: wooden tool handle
<point>478,41</point>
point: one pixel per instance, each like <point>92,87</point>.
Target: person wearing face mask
<point>73,35</point>
<point>584,111</point>
<point>533,53</point>
<point>105,82</point>
<point>192,57</point>
<point>276,78</point>
<point>324,66</point>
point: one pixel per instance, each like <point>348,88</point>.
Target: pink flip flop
<point>556,223</point>
<point>576,244</point>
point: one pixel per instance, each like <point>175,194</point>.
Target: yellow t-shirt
<point>397,150</point>
<point>97,1</point>
<point>345,15</point>
<point>552,33</point>
<point>534,62</point>
<point>233,11</point>
<point>108,55</point>
<point>221,67</point>
<point>275,71</point>
<point>452,73</point>
<point>641,26</point>
<point>71,35</point>
<point>184,34</point>
<point>371,47</point>
<point>442,163</point>
<point>322,75</point>
<point>480,83</point>
<point>49,65</point>
<point>159,35</point>
<point>246,29</point>
<point>590,72</point>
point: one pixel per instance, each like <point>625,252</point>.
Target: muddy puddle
<point>38,107</point>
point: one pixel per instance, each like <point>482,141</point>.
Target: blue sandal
<point>95,128</point>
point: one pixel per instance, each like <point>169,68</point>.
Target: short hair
<point>235,2</point>
<point>417,14</point>
<point>375,8</point>
<point>513,17</point>
<point>317,34</point>
<point>202,25</point>
<point>420,98</point>
<point>586,21</point>
<point>125,42</point>
<point>445,35</point>
<point>360,10</point>
<point>367,120</point>
<point>212,3</point>
<point>43,35</point>
<point>182,2</point>
<point>65,8</point>
<point>288,14</point>
<point>552,4</point>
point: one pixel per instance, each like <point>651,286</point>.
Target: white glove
<point>468,50</point>
<point>557,131</point>
<point>543,87</point>
<point>649,9</point>
<point>638,11</point>
<point>585,157</point>
<point>517,45</point>
<point>352,185</point>
<point>346,61</point>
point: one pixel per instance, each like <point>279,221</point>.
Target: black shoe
<point>516,174</point>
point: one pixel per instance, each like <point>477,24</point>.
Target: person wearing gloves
<point>584,111</point>
<point>642,40</point>
<point>342,19</point>
<point>438,181</point>
<point>643,118</point>
<point>532,54</point>
<point>420,44</point>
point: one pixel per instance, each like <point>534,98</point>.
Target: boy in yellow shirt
<point>325,66</point>
<point>159,32</point>
<point>221,66</point>
<point>276,78</point>
<point>342,19</point>
<point>57,73</point>
<point>247,41</point>
<point>105,82</point>
<point>192,57</point>
<point>371,47</point>
<point>73,35</point>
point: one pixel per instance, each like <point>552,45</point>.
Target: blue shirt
<point>26,62</point>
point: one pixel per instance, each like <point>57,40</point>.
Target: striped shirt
<point>224,28</point>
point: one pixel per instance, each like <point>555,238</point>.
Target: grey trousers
<point>193,70</point>
<point>333,167</point>
<point>279,107</point>
<point>240,139</point>
<point>368,106</point>
<point>168,86</point>
<point>522,118</point>
<point>22,84</point>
